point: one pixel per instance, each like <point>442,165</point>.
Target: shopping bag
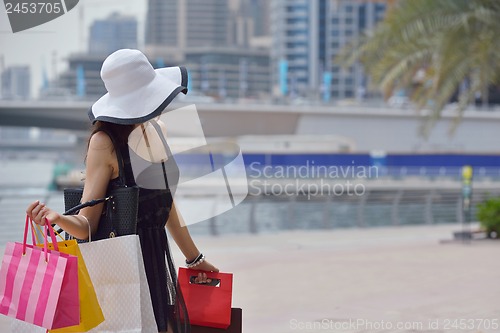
<point>116,268</point>
<point>207,304</point>
<point>235,326</point>
<point>90,310</point>
<point>38,285</point>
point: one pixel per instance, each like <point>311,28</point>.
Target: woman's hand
<point>205,266</point>
<point>39,213</point>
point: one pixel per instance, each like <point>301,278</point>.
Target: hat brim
<point>147,102</point>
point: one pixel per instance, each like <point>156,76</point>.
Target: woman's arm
<point>101,166</point>
<point>180,233</point>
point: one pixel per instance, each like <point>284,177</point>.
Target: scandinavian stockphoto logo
<point>25,14</point>
<point>171,151</point>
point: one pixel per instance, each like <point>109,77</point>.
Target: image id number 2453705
<point>33,7</point>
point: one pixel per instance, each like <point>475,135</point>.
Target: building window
<point>296,45</point>
<point>296,33</point>
<point>297,68</point>
<point>296,20</point>
<point>296,57</point>
<point>296,8</point>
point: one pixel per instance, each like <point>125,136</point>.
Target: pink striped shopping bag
<point>38,285</point>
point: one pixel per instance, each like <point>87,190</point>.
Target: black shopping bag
<point>234,327</point>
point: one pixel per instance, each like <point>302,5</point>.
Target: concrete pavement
<point>396,279</point>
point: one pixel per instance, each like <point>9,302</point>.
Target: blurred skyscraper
<point>229,72</point>
<point>172,26</point>
<point>217,40</point>
<point>250,23</point>
<point>16,83</point>
<point>260,11</point>
<point>306,37</point>
<point>113,33</point>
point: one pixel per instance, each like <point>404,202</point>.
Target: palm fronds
<point>432,49</point>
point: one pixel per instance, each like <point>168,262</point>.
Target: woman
<point>136,94</point>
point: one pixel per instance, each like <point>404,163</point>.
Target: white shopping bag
<point>117,271</point>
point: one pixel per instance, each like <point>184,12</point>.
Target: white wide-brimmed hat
<point>136,91</point>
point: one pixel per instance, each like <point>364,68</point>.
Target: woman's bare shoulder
<point>100,141</point>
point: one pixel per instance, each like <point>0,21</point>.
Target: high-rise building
<point>16,83</point>
<point>349,19</point>
<point>212,39</point>
<point>172,26</point>
<point>307,35</point>
<point>250,22</point>
<point>113,33</point>
<point>295,46</point>
<point>259,11</point>
<point>82,79</point>
<point>229,72</point>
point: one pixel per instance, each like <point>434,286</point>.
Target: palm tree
<point>433,49</point>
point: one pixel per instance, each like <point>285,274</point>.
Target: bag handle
<point>89,203</point>
<point>186,276</point>
<point>48,230</point>
<point>58,234</point>
<point>157,127</point>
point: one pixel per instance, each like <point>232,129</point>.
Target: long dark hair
<point>120,133</point>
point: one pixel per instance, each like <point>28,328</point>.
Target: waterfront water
<point>22,183</point>
<point>258,215</point>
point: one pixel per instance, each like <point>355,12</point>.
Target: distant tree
<point>433,49</point>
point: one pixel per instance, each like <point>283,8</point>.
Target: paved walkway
<point>359,280</point>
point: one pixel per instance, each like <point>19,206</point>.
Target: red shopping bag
<point>207,305</point>
<point>38,285</point>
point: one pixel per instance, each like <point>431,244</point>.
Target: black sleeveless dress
<point>154,210</point>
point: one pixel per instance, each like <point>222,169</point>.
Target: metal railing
<point>394,197</point>
<point>270,213</point>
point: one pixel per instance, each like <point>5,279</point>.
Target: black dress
<point>154,210</point>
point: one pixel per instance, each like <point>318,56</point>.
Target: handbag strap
<point>157,127</point>
<point>89,203</point>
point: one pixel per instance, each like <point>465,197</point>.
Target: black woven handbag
<point>119,215</point>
